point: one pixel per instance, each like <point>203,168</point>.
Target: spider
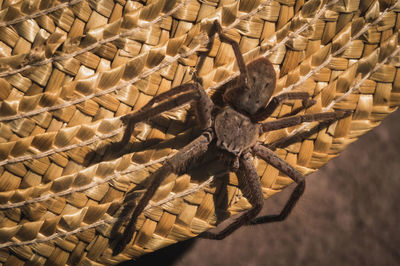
<point>233,129</point>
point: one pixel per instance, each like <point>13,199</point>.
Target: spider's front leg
<point>168,100</point>
<point>250,186</point>
<point>173,165</point>
<point>280,164</point>
<point>236,50</point>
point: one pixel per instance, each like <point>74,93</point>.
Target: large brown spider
<point>234,129</point>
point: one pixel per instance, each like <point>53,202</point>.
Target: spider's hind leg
<point>250,186</point>
<point>280,164</point>
<point>173,165</point>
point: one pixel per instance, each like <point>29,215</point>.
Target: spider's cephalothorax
<point>235,127</point>
<point>229,126</point>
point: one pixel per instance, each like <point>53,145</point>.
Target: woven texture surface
<point>69,70</point>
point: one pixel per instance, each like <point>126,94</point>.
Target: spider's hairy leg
<point>277,100</point>
<point>250,186</point>
<point>297,120</point>
<point>236,50</point>
<point>173,165</point>
<point>280,164</point>
<point>203,106</point>
<point>168,100</point>
<point>170,93</point>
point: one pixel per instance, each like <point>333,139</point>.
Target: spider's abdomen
<point>235,132</point>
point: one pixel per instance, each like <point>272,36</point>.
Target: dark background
<point>349,215</point>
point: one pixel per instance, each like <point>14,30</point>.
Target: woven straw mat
<point>70,70</point>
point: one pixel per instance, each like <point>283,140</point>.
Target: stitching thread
<point>58,150</point>
<point>339,51</point>
<point>307,126</point>
<point>133,168</point>
<point>107,221</point>
<point>39,13</point>
<point>281,43</point>
<point>92,46</point>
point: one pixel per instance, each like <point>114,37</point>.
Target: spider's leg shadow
<point>114,150</point>
<point>170,254</point>
<point>199,171</point>
<point>125,212</point>
<point>220,172</point>
<point>221,197</point>
<point>300,136</point>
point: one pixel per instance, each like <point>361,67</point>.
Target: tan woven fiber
<point>70,70</point>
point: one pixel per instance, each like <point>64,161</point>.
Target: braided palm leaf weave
<point>70,70</point>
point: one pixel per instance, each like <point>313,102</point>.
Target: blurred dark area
<point>349,215</point>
